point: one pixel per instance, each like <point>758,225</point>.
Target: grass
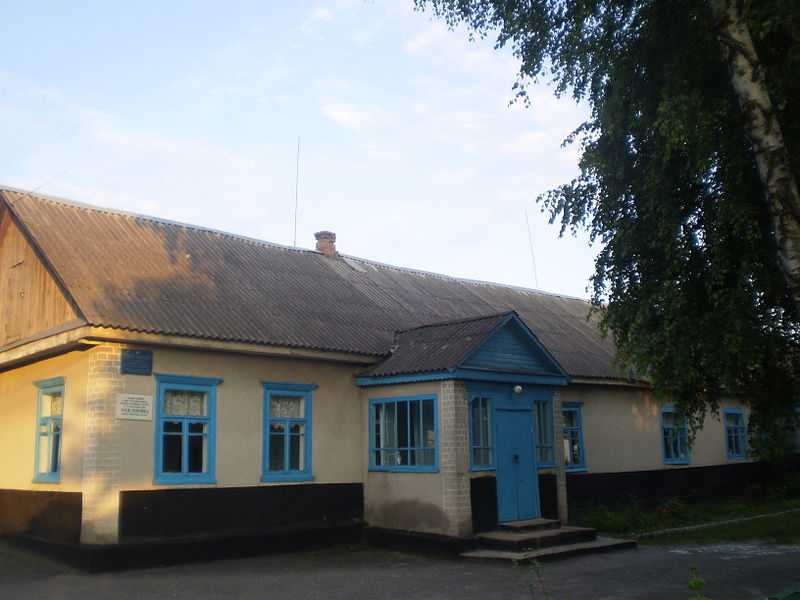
<point>634,517</point>
<point>783,529</point>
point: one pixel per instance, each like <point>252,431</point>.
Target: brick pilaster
<point>454,457</point>
<point>101,453</point>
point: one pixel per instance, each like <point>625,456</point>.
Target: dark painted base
<point>418,543</point>
<point>651,487</point>
<point>46,516</point>
<point>483,496</point>
<point>164,553</point>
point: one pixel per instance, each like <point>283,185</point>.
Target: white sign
<point>134,407</point>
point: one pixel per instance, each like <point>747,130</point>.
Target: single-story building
<point>164,381</point>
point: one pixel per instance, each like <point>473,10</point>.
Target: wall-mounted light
<point>517,389</point>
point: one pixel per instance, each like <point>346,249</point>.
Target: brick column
<point>101,453</point>
<point>558,448</point>
<point>454,457</point>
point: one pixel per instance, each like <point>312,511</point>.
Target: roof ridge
<point>39,197</point>
<point>115,211</point>
<point>458,321</point>
<point>520,288</point>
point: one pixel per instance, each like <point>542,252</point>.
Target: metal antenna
<point>296,188</point>
<point>533,256</point>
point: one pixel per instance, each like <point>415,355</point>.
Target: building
<point>164,381</point>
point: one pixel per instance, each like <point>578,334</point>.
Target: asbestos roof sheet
<point>145,274</point>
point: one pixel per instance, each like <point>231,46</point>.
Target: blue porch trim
<point>466,375</point>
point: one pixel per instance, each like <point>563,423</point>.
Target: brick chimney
<point>326,243</point>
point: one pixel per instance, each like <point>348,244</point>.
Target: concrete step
<point>601,544</point>
<point>518,541</point>
<point>531,524</point>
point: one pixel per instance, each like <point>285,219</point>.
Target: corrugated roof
<point>144,274</point>
<point>436,347</point>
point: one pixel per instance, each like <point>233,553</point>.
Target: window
<point>545,456</point>
<point>49,415</point>
<point>735,433</point>
<point>675,435</point>
<point>403,434</point>
<point>186,429</point>
<point>574,458</point>
<point>287,431</point>
<point>481,433</point>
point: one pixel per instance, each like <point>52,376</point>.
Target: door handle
<point>515,459</point>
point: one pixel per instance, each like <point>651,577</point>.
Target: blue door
<point>517,476</point>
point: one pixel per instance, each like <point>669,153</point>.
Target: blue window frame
<point>49,420</point>
<point>186,423</point>
<point>404,434</point>
<point>481,451</point>
<point>735,433</point>
<point>287,431</point>
<point>675,436</point>
<point>545,452</point>
<point>574,455</point>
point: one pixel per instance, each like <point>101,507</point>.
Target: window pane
<point>197,428</point>
<point>277,436</point>
<point>402,425</point>
<point>43,462</point>
<point>52,404</point>
<point>570,418</point>
<point>415,434</point>
<point>378,420</point>
<point>172,458</point>
<point>173,427</point>
<point>423,457</point>
<point>286,407</point>
<point>297,459</point>
<point>55,447</point>
<point>428,431</point>
<point>389,426</point>
<point>669,419</point>
<point>182,403</point>
<point>198,457</point>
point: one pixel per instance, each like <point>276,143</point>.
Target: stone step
<point>601,544</point>
<point>531,524</point>
<point>517,541</point>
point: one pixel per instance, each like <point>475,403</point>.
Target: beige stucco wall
<point>622,430</point>
<point>407,501</point>
<point>338,453</point>
<point>18,395</point>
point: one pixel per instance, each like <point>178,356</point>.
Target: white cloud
<point>354,116</point>
<point>318,16</point>
<point>526,145</point>
<point>425,39</point>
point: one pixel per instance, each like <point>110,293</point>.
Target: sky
<point>409,147</point>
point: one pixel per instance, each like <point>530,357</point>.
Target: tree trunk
<point>764,130</point>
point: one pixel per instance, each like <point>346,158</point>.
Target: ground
<point>654,572</point>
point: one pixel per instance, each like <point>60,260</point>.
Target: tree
<point>686,180</point>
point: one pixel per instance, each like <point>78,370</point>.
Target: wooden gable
<point>512,348</point>
<point>31,301</point>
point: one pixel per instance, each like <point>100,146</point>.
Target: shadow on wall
<point>409,515</point>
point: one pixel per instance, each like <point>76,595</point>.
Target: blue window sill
<point>547,466</point>
<point>183,480</point>
<point>478,469</point>
<point>676,462</point>
<point>51,478</point>
<point>578,469</point>
<point>736,457</point>
<point>273,477</point>
<point>404,469</point>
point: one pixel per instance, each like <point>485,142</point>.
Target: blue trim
<point>742,454</point>
<point>49,383</point>
<point>671,408</point>
<point>187,379</point>
<point>463,374</point>
<point>577,408</point>
<point>546,464</point>
<point>491,402</point>
<point>434,468</point>
<point>289,387</point>
<point>299,390</point>
<point>196,384</point>
<point>54,384</point>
